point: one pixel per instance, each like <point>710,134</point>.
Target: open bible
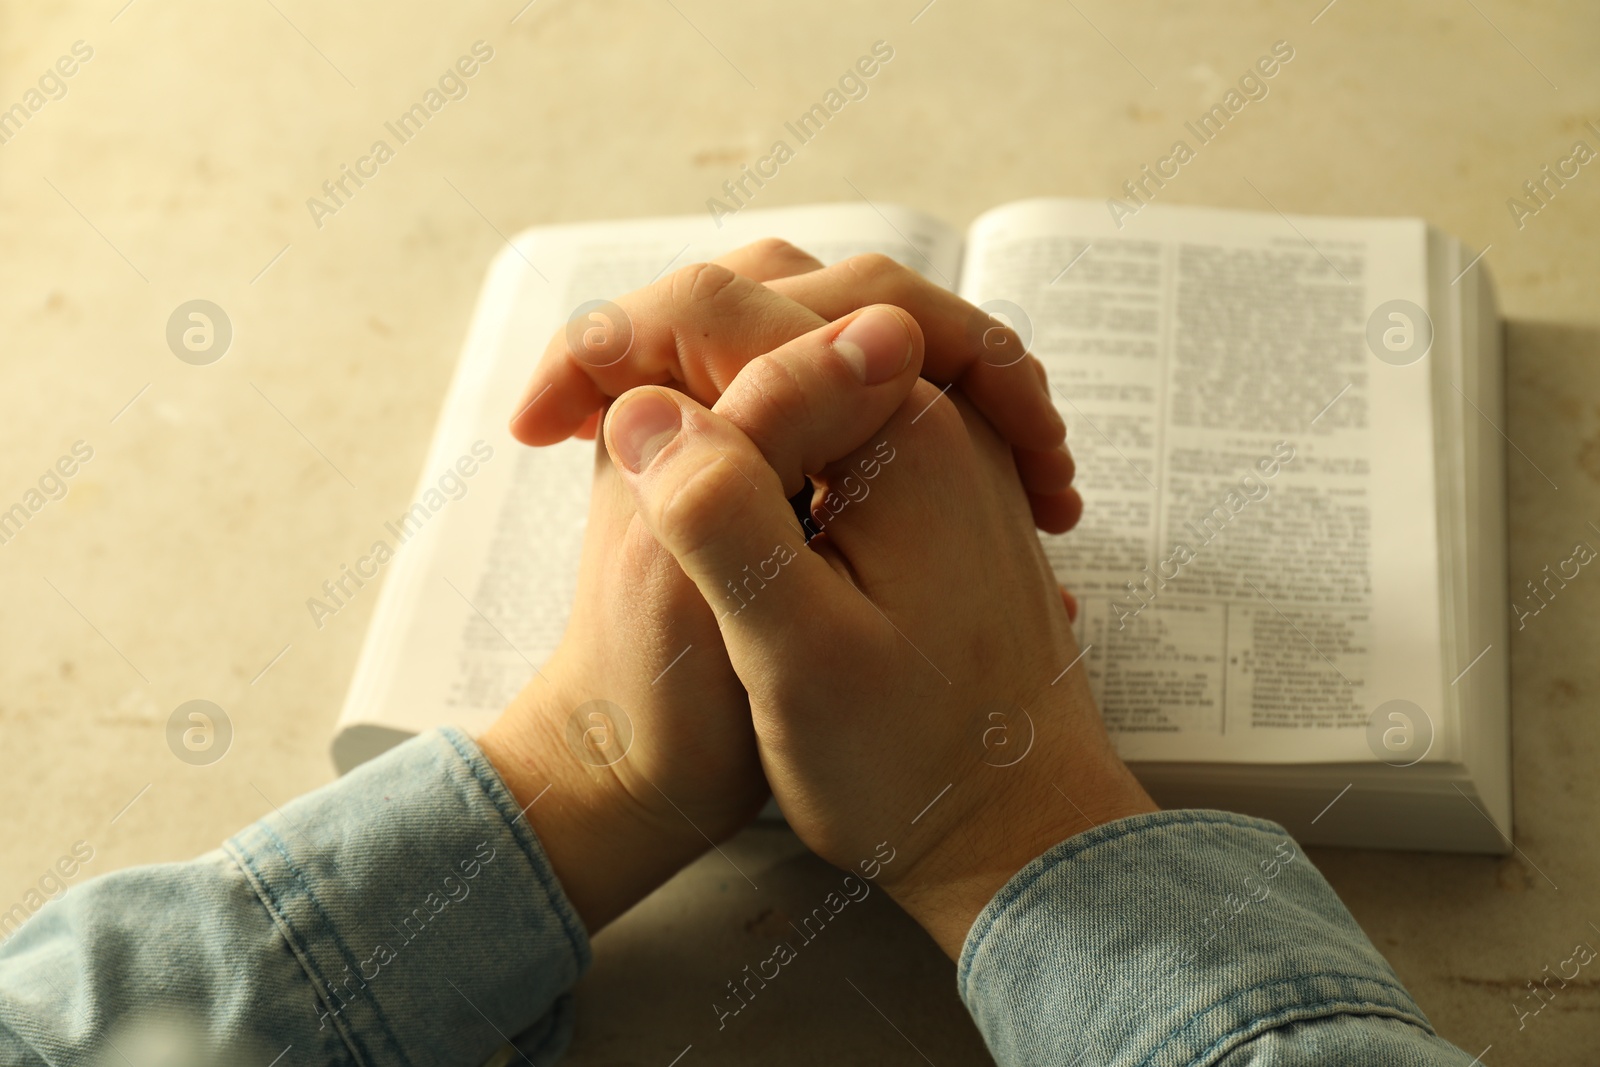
<point>1291,568</point>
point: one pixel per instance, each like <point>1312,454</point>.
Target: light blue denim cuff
<point>1168,938</point>
<point>422,910</point>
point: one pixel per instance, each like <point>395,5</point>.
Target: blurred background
<point>175,162</point>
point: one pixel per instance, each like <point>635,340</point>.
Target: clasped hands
<point>900,679</point>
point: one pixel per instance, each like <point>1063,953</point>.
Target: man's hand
<point>638,727</point>
<point>909,671</point>
<point>696,328</point>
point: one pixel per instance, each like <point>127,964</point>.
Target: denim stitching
<point>1321,1010</point>
<point>269,899</point>
<point>334,935</point>
<point>1317,1006</point>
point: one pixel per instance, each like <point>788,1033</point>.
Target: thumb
<point>822,396</point>
<point>709,497</point>
<point>713,485</point>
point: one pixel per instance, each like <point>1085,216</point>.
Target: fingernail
<point>876,344</point>
<point>641,425</point>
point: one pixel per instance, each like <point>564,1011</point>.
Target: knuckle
<point>887,280</point>
<point>778,250</point>
<point>697,509</point>
<point>777,406</point>
<point>771,246</point>
<point>698,283</point>
<point>777,399</point>
<point>873,266</point>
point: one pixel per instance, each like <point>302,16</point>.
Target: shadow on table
<point>865,985</point>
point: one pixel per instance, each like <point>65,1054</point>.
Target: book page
<point>1257,564</point>
<point>484,567</point>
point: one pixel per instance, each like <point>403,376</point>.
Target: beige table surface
<point>178,164</point>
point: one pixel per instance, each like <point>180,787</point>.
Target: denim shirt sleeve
<point>1185,937</point>
<point>404,914</point>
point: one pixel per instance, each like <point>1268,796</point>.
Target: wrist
<point>1013,819</point>
<point>607,847</point>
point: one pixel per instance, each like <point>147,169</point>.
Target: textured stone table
<point>177,162</point>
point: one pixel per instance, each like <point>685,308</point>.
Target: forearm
<point>402,914</point>
<point>1184,937</point>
